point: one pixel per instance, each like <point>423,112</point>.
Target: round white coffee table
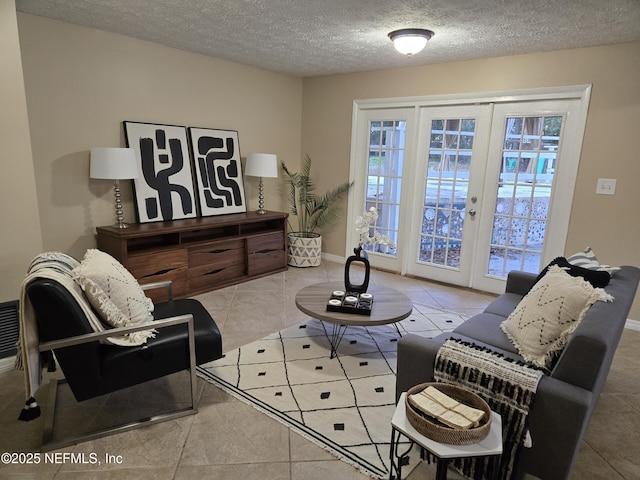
<point>389,306</point>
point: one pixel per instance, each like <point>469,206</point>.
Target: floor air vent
<point>8,328</point>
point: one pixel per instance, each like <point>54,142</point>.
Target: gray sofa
<point>567,396</point>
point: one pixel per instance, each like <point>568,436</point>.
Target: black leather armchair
<point>186,336</point>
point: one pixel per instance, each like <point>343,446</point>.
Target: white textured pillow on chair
<point>112,290</point>
<point>544,319</point>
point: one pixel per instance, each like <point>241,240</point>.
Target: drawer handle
<point>266,250</point>
<point>222,250</point>
<point>213,272</point>
<point>159,272</point>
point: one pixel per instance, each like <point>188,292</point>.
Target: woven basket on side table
<point>441,433</point>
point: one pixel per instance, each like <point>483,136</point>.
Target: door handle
<point>472,212</point>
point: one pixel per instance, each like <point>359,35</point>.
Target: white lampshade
<point>113,163</point>
<point>261,165</point>
<point>410,41</point>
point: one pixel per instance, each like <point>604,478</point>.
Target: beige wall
<point>82,83</point>
<point>609,224</point>
<point>21,238</point>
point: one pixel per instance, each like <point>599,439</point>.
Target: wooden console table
<point>200,254</point>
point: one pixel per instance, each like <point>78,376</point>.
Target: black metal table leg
<point>395,469</point>
<point>441,469</point>
<point>397,459</point>
<point>494,463</point>
<point>335,337</point>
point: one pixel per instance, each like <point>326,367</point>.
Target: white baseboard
<point>333,258</point>
<point>7,364</point>
<point>632,325</point>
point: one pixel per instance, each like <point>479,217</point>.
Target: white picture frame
<point>218,171</point>
<point>164,188</point>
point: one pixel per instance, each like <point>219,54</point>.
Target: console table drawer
<point>220,254</point>
<point>154,264</point>
<point>160,267</point>
<point>265,253</point>
<point>262,262</point>
<point>214,276</point>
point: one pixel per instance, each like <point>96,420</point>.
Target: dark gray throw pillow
<point>598,279</point>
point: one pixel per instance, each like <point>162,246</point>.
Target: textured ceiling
<point>320,37</point>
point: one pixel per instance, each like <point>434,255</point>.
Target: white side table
<point>490,446</point>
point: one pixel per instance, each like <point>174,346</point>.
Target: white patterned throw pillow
<point>587,259</point>
<point>541,324</point>
<point>113,291</point>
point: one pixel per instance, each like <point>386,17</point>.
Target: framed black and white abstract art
<point>216,157</point>
<point>164,189</point>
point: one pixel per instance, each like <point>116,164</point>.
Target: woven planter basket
<point>441,433</point>
<point>304,250</point>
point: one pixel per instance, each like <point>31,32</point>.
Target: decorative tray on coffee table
<point>350,302</point>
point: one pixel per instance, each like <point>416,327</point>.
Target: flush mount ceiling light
<point>410,41</point>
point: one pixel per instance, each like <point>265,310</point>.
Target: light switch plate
<point>606,186</point>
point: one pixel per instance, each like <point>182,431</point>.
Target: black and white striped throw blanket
<point>508,386</point>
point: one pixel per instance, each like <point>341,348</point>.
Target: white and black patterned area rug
<point>344,404</point>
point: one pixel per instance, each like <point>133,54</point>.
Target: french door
<point>532,163</point>
<point>448,197</point>
<point>468,192</point>
<point>384,149</point>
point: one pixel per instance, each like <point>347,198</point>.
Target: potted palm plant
<point>314,212</point>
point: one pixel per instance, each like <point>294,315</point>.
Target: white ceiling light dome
<point>410,41</point>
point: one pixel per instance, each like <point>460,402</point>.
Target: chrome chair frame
<point>48,442</point>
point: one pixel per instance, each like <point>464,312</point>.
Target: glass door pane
<point>529,156</point>
<point>384,178</point>
<point>445,194</point>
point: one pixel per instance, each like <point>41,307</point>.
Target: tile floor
<point>230,440</point>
